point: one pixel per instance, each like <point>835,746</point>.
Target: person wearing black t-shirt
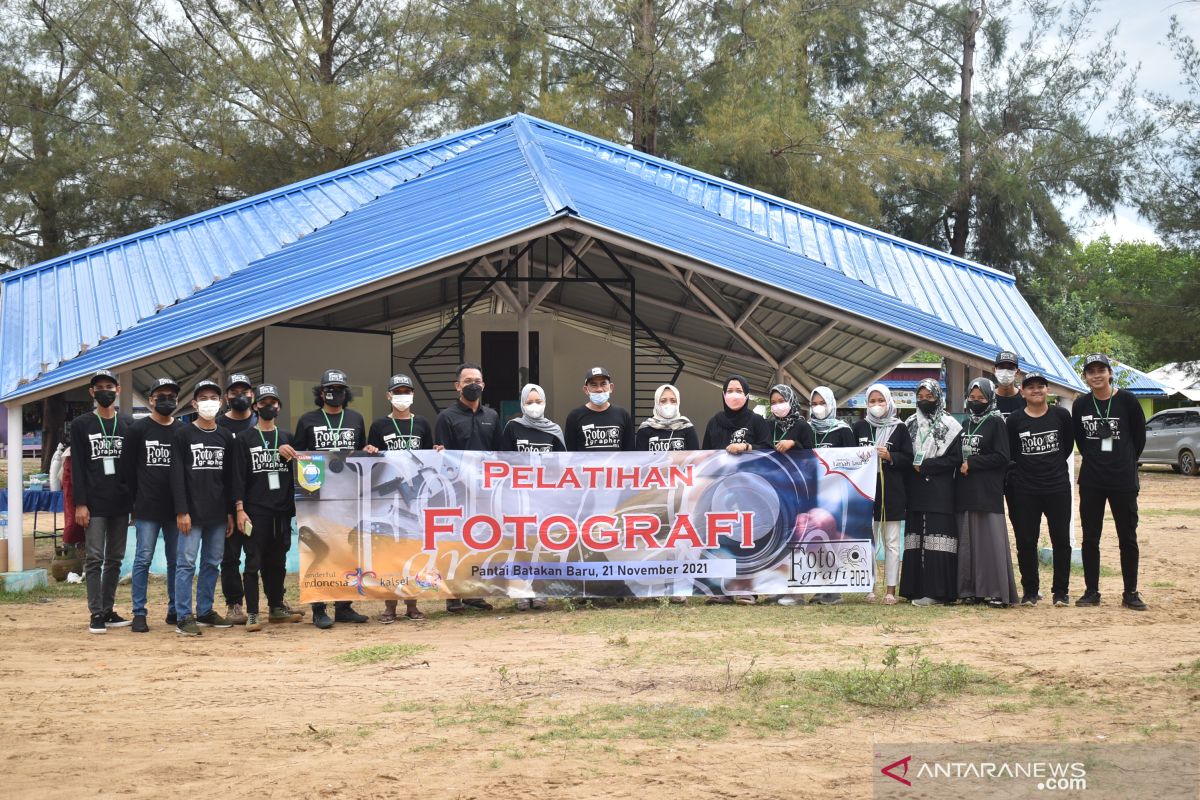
<point>146,462</point>
<point>666,430</point>
<point>985,569</point>
<point>265,502</point>
<point>598,425</point>
<point>1040,441</point>
<point>828,431</point>
<point>400,430</point>
<point>532,432</point>
<point>332,426</point>
<point>202,490</point>
<point>468,425</point>
<point>101,498</point>
<point>787,424</point>
<point>736,429</point>
<point>1110,430</point>
<point>883,430</point>
<point>1007,372</point>
<point>239,399</point>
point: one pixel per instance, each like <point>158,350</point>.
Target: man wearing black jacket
<point>332,426</point>
<point>202,489</point>
<point>101,499</point>
<point>146,465</point>
<point>265,503</point>
<point>468,425</point>
<point>1041,439</point>
<point>1110,430</point>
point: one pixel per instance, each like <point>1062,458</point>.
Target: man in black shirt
<point>101,499</point>
<point>1008,396</point>
<point>598,425</point>
<point>468,425</point>
<point>1110,430</point>
<point>202,488</point>
<point>1040,441</point>
<point>239,399</point>
<point>146,465</point>
<point>332,426</point>
<point>265,503</point>
<point>400,430</point>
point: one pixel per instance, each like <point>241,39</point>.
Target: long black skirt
<point>930,566</point>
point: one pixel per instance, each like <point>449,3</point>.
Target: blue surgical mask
<point>598,398</point>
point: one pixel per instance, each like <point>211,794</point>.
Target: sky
<point>1142,33</point>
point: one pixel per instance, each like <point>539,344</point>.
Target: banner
<point>422,524</point>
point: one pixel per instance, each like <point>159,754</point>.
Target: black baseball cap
<point>1096,358</point>
<point>163,383</point>
<point>596,372</point>
<point>267,390</point>
<point>1034,377</point>
<point>397,381</point>
<point>334,377</point>
<point>206,385</point>
<point>101,374</point>
<point>1007,357</point>
<point>239,379</point>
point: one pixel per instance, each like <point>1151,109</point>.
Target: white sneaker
<point>790,600</point>
<point>523,604</point>
<point>925,601</point>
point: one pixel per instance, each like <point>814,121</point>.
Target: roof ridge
<point>261,197</point>
<point>558,199</point>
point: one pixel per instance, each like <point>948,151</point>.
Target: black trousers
<point>231,567</point>
<point>270,540</point>
<point>1026,511</point>
<point>1091,518</point>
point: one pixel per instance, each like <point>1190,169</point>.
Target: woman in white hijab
<point>532,432</point>
<point>667,429</point>
<point>883,430</point>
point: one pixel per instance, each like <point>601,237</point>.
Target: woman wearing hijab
<point>985,569</point>
<point>788,428</point>
<point>883,430</point>
<point>929,572</point>
<point>532,432</point>
<point>736,429</point>
<point>828,430</point>
<point>666,430</point>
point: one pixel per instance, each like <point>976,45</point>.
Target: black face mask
<point>268,412</point>
<point>335,397</point>
<point>927,406</point>
<point>240,402</point>
<point>977,407</point>
<point>165,405</point>
<point>105,397</point>
<point>472,392</point>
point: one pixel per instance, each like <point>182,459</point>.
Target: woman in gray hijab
<point>985,570</point>
<point>532,432</point>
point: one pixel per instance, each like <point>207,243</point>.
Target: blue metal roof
<point>1132,380</point>
<point>464,191</point>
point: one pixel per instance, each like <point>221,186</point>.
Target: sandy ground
<point>643,701</point>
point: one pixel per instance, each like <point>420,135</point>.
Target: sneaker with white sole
<point>188,626</point>
<point>115,620</point>
<point>212,619</point>
<point>96,624</point>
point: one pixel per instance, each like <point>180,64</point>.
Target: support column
<point>956,382</point>
<point>16,520</point>
<point>523,313</point>
<point>128,394</point>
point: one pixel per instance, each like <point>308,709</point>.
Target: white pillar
<point>16,522</point>
<point>1066,402</point>
<point>523,314</point>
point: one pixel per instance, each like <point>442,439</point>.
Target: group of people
<point>220,488</point>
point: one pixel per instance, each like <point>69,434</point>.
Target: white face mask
<point>877,411</point>
<point>208,408</point>
<point>1006,376</point>
<point>819,412</point>
<point>668,410</point>
<point>402,402</point>
<point>534,410</point>
<point>781,410</point>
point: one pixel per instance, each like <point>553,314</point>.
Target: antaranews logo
<point>901,765</point>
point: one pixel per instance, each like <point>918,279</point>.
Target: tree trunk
<point>644,88</point>
<point>54,417</point>
<point>960,209</point>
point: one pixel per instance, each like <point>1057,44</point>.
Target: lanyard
<point>108,437</point>
<point>1107,409</point>
<point>264,439</point>
<point>341,419</point>
<point>412,421</point>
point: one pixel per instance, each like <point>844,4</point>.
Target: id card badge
<point>1106,445</point>
<point>273,481</point>
<point>110,466</point>
<point>918,458</point>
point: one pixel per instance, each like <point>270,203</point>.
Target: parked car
<point>1173,437</point>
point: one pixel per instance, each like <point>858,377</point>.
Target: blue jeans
<point>212,536</point>
<point>147,539</point>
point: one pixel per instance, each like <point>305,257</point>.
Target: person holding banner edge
<point>400,430</point>
<point>828,431</point>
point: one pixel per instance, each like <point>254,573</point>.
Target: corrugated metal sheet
<point>483,194</point>
<point>57,309</point>
<point>981,302</point>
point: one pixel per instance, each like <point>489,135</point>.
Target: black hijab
<point>729,419</point>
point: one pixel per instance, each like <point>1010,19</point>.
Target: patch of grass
<point>1158,727</point>
<point>483,717</point>
<point>1162,585</point>
<point>377,653</point>
<point>1188,674</point>
<point>904,685</point>
<point>318,734</point>
<point>1056,696</point>
<point>654,721</point>
<point>411,707</point>
<point>619,641</point>
<point>45,594</point>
